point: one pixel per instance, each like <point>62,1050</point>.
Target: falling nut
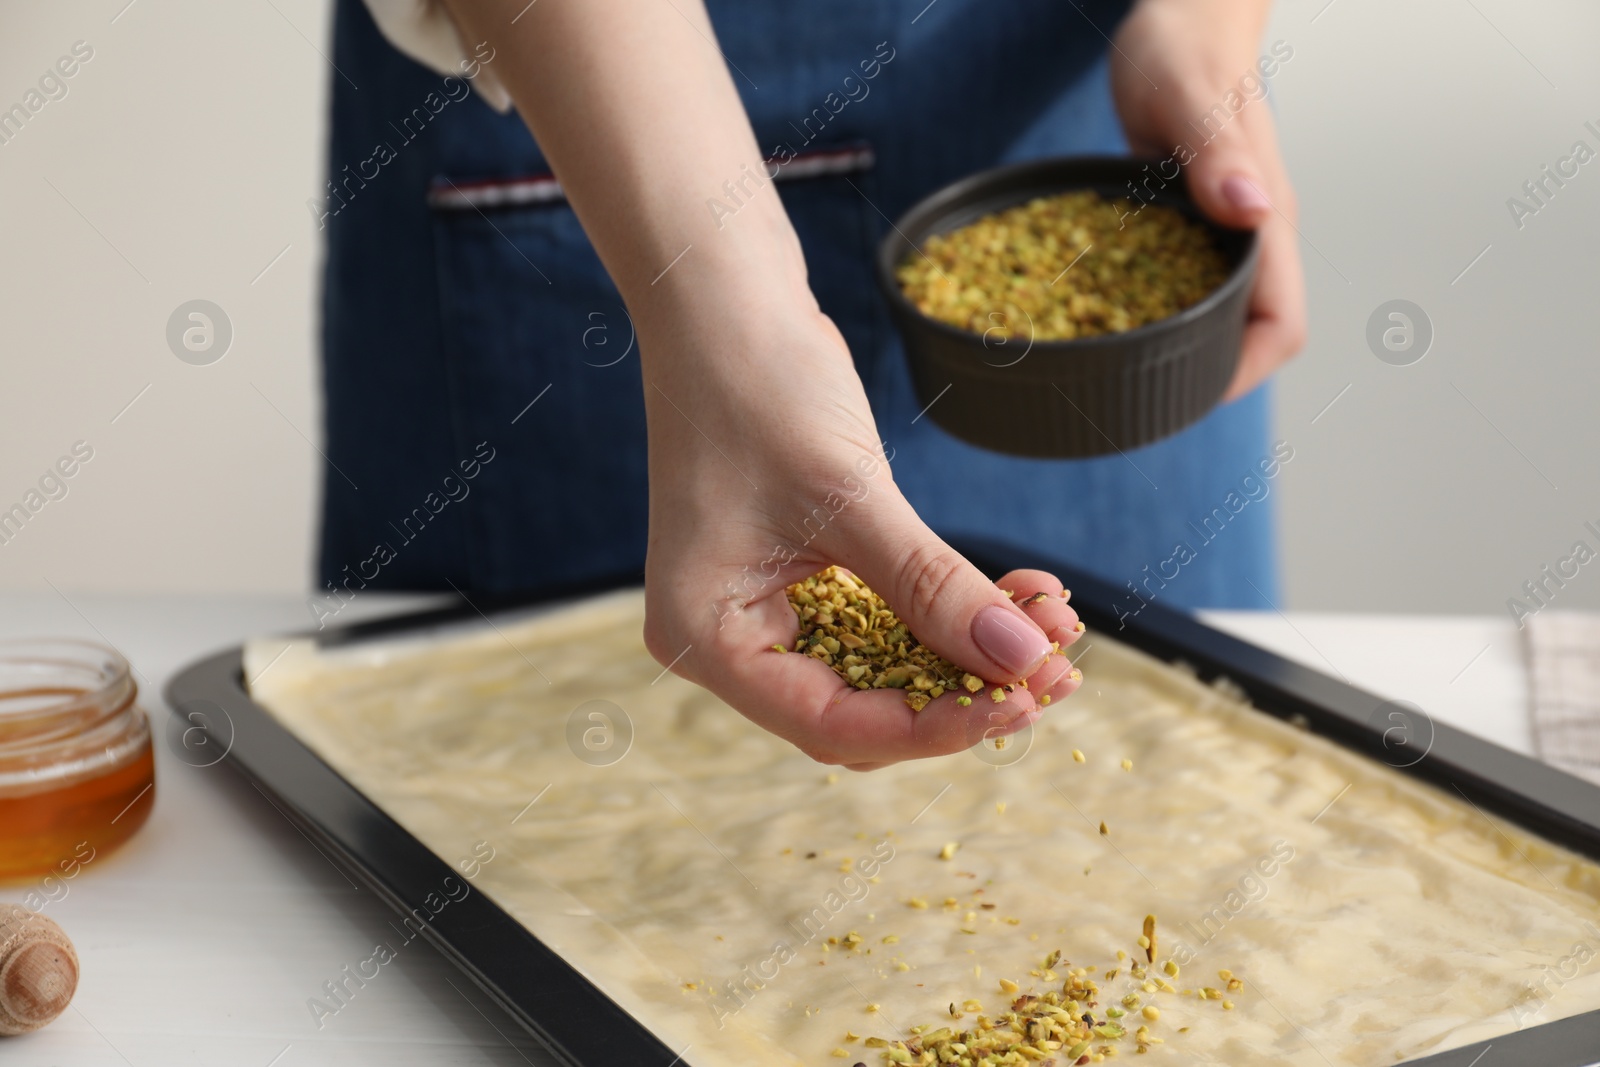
<point>38,970</point>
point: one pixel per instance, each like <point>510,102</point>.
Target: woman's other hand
<point>1187,85</point>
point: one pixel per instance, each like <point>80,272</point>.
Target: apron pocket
<point>544,367</point>
<point>543,360</point>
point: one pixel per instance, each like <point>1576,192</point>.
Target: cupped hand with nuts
<point>1189,87</point>
<point>758,424</point>
<point>753,489</point>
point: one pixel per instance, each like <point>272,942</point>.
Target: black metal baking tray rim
<point>1535,795</point>
<point>582,1027</point>
<point>567,1014</point>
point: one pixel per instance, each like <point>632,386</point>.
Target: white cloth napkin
<point>1564,657</point>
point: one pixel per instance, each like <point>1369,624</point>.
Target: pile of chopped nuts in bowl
<point>1065,266</point>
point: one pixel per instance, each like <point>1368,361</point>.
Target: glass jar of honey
<point>77,771</point>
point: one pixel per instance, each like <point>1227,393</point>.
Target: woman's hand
<point>765,467</point>
<point>765,464</point>
<point>1176,67</point>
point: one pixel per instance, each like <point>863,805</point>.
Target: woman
<point>513,320</point>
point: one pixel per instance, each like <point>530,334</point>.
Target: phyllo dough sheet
<point>750,906</point>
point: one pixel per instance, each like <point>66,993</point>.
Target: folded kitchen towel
<point>1564,661</point>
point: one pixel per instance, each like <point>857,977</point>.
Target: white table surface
<point>204,936</point>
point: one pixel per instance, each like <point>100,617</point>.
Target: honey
<point>77,769</point>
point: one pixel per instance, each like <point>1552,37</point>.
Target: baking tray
<point>581,1027</point>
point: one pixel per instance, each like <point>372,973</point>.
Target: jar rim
<point>50,686</point>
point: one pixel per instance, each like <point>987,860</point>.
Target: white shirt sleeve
<point>424,31</point>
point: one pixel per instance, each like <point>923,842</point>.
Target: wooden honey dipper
<point>38,970</point>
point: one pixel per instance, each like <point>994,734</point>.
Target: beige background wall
<point>1446,484</point>
<point>180,161</point>
<point>178,164</point>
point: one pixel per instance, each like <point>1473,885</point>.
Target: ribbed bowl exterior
<point>1067,399</point>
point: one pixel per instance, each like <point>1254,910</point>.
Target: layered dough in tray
<point>710,879</point>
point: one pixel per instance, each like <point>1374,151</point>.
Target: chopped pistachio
<point>1038,1026</point>
<point>1074,264</point>
<point>849,627</point>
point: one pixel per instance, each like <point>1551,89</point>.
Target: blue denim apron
<point>485,416</point>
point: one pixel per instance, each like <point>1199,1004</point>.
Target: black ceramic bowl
<point>1078,398</point>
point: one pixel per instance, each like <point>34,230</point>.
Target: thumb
<point>1226,181</point>
<point>944,600</point>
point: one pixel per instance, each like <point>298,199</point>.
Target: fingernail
<point>1064,634</point>
<point>1010,642</point>
<point>1245,195</point>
